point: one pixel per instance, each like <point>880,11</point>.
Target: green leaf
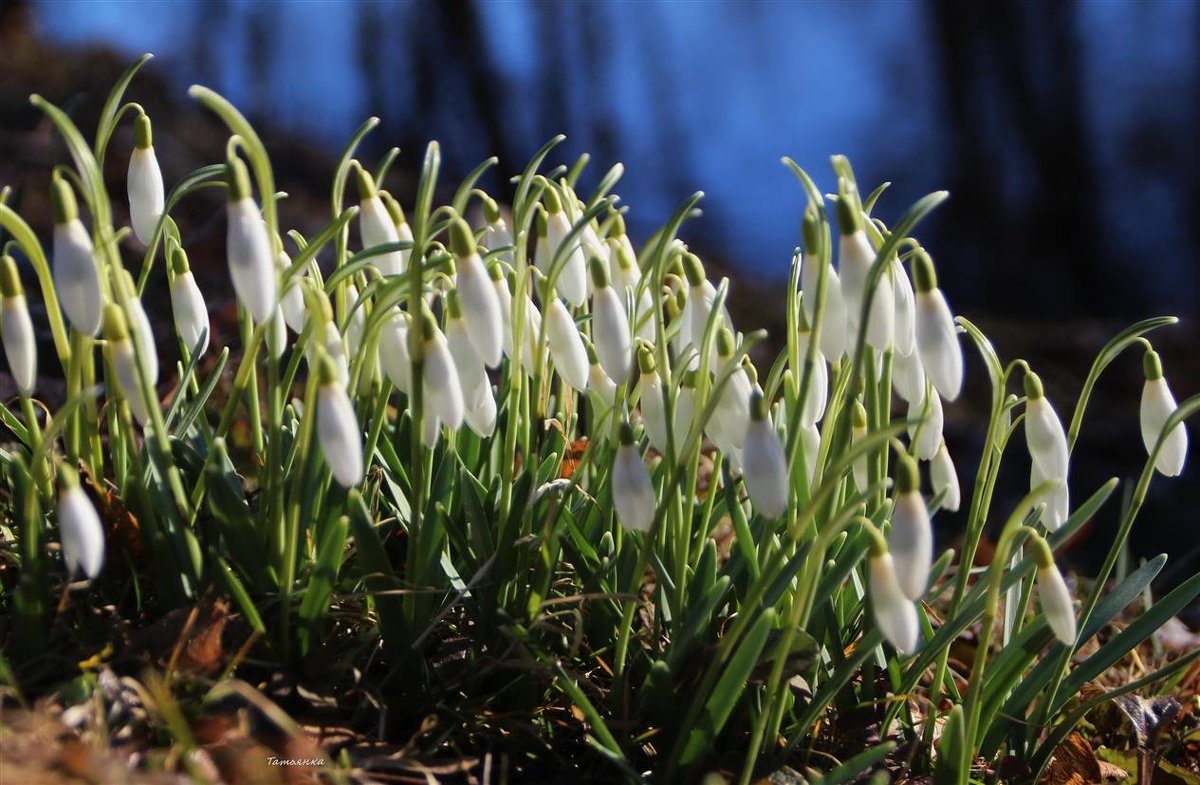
<point>320,583</point>
<point>952,749</point>
<point>108,115</point>
<point>850,770</point>
<point>241,597</point>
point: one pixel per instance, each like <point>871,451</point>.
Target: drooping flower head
<point>894,612</point>
<point>633,492</point>
<point>144,183</point>
<point>187,304</point>
<point>337,427</point>
<point>937,339</point>
<point>1053,594</point>
<point>79,527</point>
<point>911,540</point>
<point>376,225</point>
<point>480,306</point>
<point>814,267</point>
<point>765,465</point>
<point>251,261</point>
<point>856,257</point>
<point>1157,405</point>
<point>76,276</point>
<point>20,347</point>
<point>610,325</point>
<point>129,380</point>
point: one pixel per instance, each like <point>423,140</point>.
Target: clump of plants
<point>534,440</point>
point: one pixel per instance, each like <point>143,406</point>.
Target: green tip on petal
<point>693,270</point>
<point>462,239</point>
<point>725,343</point>
<point>645,356</point>
<point>758,406</point>
<point>908,476</point>
<point>394,210</point>
<point>626,435</point>
<point>326,370</point>
<point>143,137</point>
<point>810,230</point>
<point>1033,386</point>
<point>238,178</point>
<point>1042,555</point>
<point>115,328</point>
<point>551,199</point>
<point>428,322</point>
<point>491,210</point>
<point>859,420</point>
<point>599,271</point>
<point>495,271</point>
<point>68,478</point>
<point>62,199</point>
<point>365,183</point>
<point>924,276</point>
<point>453,305</point>
<point>624,257</point>
<point>688,379</point>
<point>10,278</point>
<point>179,260</point>
<point>878,545</point>
<point>1152,365</point>
<point>848,216</point>
<point>539,222</point>
<point>617,227</point>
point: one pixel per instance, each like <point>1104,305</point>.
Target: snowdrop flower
<point>337,427</point>
<point>810,441</point>
<point>858,432</point>
<point>685,408</point>
<point>292,301</point>
<point>1044,431</point>
<point>1157,405</point>
<point>376,225</point>
<point>765,465</point>
<point>911,541</point>
<point>813,408</point>
<point>496,233</point>
<point>393,350</point>
<point>1053,594</point>
<point>905,326</point>
<point>144,183</point>
<point>610,326</point>
<point>1057,504</point>
<point>812,268</point>
<point>187,304</point>
<point>572,281</point>
<point>937,339</point>
<point>79,527</point>
<point>895,614</point>
<point>480,308</point>
<point>482,418</point>
<point>251,261</point>
<point>440,381</point>
<point>566,349</point>
<point>598,381</point>
<point>403,230</point>
<point>701,296</point>
<point>76,277</point>
<point>650,392</point>
<point>504,300</point>
<point>732,413</point>
<point>944,479</point>
<point>627,276</point>
<point>325,336</point>
<point>356,326</point>
<point>145,332</point>
<point>633,493</point>
<point>20,348</point>
<point>532,336</point>
<point>908,379</point>
<point>927,431</point>
<point>472,374</point>
<point>128,381</point>
<point>856,258</point>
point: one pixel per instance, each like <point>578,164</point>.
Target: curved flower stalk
<point>79,527</point>
<point>813,408</point>
<point>610,326</point>
<point>20,347</point>
<point>572,281</point>
<point>76,276</point>
<point>147,199</point>
<point>856,257</point>
<point>145,331</point>
<point>496,233</point>
<point>765,465</point>
<point>650,396</point>
<point>1157,405</point>
<point>858,432</point>
<point>1053,594</point>
<point>894,612</point>
<point>376,225</point>
<point>251,262</point>
<point>187,304</point>
<point>337,427</point>
<point>928,432</point>
<point>812,267</point>
<point>292,299</point>
<point>480,307</point>
<point>943,476</point>
<point>1044,433</point>
<point>566,349</point>
<point>393,350</point>
<point>120,347</point>
<point>911,540</point>
<point>937,338</point>
<point>440,381</point>
<point>632,490</point>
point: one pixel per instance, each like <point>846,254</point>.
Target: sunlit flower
<point>1158,404</point>
<point>572,281</point>
<point>650,393</point>
<point>441,385</point>
<point>895,614</point>
<point>20,347</point>
<point>480,307</point>
<point>496,233</point>
<point>908,379</point>
<point>813,408</point>
<point>765,465</point>
<point>627,276</point>
<point>1057,501</point>
<point>911,540</point>
<point>944,479</point>
<point>76,276</point>
<point>1053,593</point>
<point>856,257</point>
<point>812,267</point>
<point>610,326</point>
<point>732,413</point>
<point>566,349</point>
<point>326,336</point>
<point>141,322</point>
<point>129,381</point>
<point>393,350</point>
<point>937,339</point>
<point>472,374</point>
<point>251,261</point>
<point>633,493</point>
<point>927,431</point>
<point>292,300</point>
<point>187,304</point>
<point>376,225</point>
<point>1044,433</point>
<point>337,427</point>
<point>79,527</point>
<point>504,300</point>
<point>144,183</point>
<point>905,329</point>
<point>598,382</point>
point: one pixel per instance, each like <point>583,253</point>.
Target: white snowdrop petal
<point>856,257</point>
<point>251,262</point>
<point>393,351</point>
<point>572,281</point>
<point>190,311</point>
<point>929,432</point>
<point>937,344</point>
<point>944,477</point>
<point>292,299</point>
<point>1056,603</point>
<point>732,413</point>
<point>482,417</point>
<point>908,379</point>
<point>128,379</point>
<point>610,331</point>
<point>765,468</point>
<point>1045,438</point>
<point>833,316</point>
<point>146,336</point>
<point>1157,405</point>
<point>481,309</point>
<point>81,533</point>
<point>911,544</point>
<point>20,347</point>
<point>566,347</point>
<point>895,614</point>
<point>818,387</point>
<point>339,435</point>
<point>335,347</point>
<point>1057,502</point>
<point>654,418</point>
<point>633,492</point>
<point>442,386</point>
<point>471,373</point>
<point>604,387</point>
<point>76,277</point>
<point>146,193</point>
<point>375,227</point>
<point>905,311</point>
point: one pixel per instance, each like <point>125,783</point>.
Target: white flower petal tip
<point>1056,603</point>
<point>1157,405</point>
<point>339,434</point>
<point>442,388</point>
<point>81,533</point>
<point>251,266</point>
<point>937,337</point>
<point>765,465</point>
<point>566,347</point>
<point>944,479</point>
<point>911,543</point>
<point>610,332</point>
<point>480,309</point>
<point>20,346</point>
<point>895,613</point>
<point>190,311</point>
<point>1044,433</point>
<point>76,277</point>
<point>633,492</point>
<point>146,193</point>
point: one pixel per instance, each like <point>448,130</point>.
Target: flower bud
<point>1044,433</point>
<point>251,262</point>
<point>504,300</point>
<point>633,492</point>
<point>566,349</point>
<point>1158,404</point>
<point>911,541</point>
<point>812,267</point>
<point>79,527</point>
<point>480,307</point>
<point>76,277</point>
<point>144,183</point>
<point>929,432</point>
<point>145,331</point>
<point>944,478</point>
<point>610,327</point>
<point>732,414</point>
<point>20,347</point>
<point>937,338</point>
<point>337,427</point>
<point>572,281</point>
<point>650,395</point>
<point>813,408</point>
<point>856,258</point>
<point>1055,599</point>
<point>598,381</point>
<point>441,383</point>
<point>496,233</point>
<point>894,612</point>
<point>129,381</point>
<point>765,465</point>
<point>292,301</point>
<point>187,304</point>
<point>393,350</point>
<point>858,432</point>
<point>376,225</point>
